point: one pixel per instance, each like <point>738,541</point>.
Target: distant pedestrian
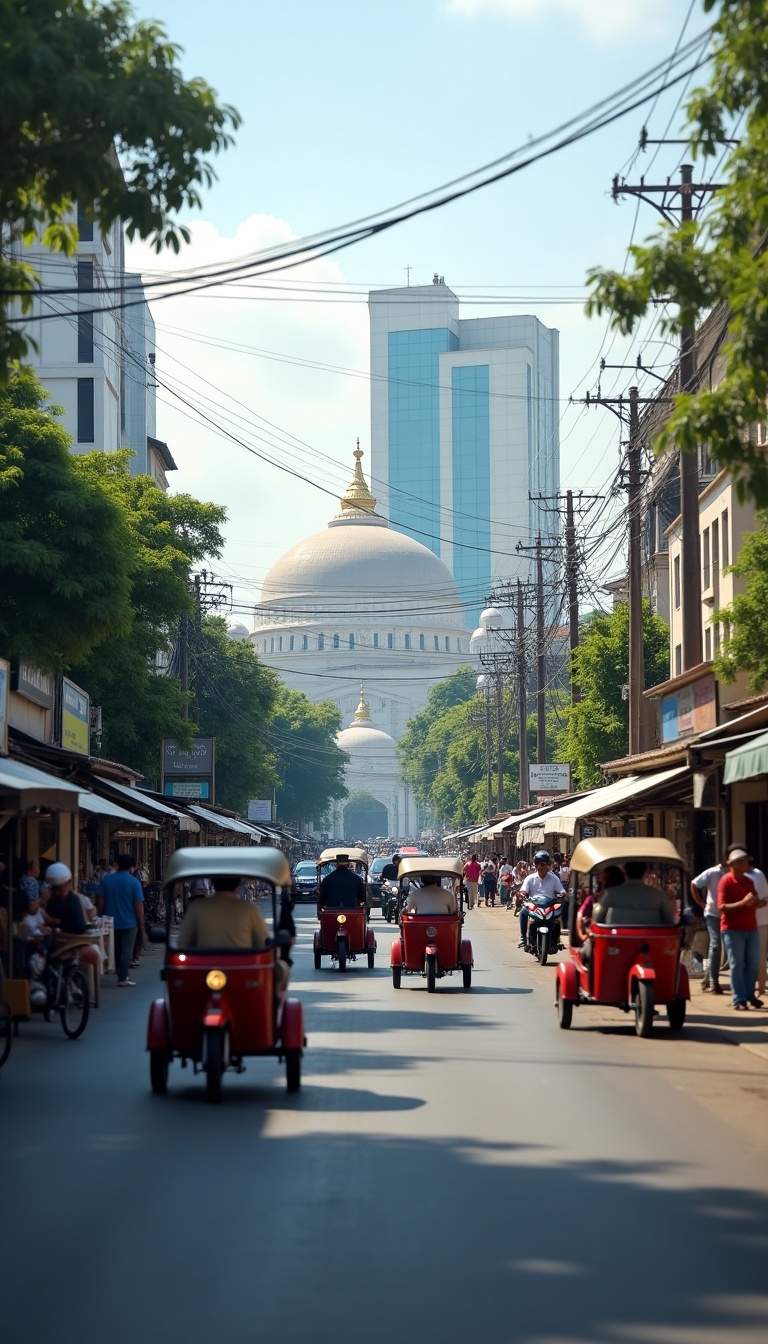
<point>738,903</point>
<point>490,882</point>
<point>121,898</point>
<point>760,883</point>
<point>472,877</point>
<point>704,892</point>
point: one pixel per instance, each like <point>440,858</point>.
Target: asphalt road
<point>455,1168</point>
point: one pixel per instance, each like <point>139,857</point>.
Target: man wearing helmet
<point>65,911</point>
<point>541,885</point>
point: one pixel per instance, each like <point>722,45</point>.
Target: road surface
<point>455,1168</point>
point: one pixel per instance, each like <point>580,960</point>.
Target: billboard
<point>549,777</point>
<point>75,718</point>
<point>189,773</point>
<point>260,809</point>
<point>692,709</point>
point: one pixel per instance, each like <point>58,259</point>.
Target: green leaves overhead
<point>745,648</point>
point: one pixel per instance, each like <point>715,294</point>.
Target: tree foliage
<point>82,80</point>
<point>745,648</point>
<point>597,726</point>
<point>719,258</point>
<point>309,765</point>
<point>67,561</point>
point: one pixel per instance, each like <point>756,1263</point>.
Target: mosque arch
<point>364,816</point>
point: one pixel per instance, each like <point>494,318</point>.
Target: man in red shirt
<point>737,902</point>
<point>472,877</point>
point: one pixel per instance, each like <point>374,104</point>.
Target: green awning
<point>747,761</point>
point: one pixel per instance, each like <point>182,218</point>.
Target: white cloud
<point>604,20</point>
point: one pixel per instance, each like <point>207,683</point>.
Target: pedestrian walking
<point>738,903</point>
<point>704,893</point>
<point>472,877</point>
<point>760,883</point>
<point>121,898</point>
<point>490,882</point>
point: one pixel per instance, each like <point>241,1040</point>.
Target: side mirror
<point>157,935</point>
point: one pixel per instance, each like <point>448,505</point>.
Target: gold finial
<point>362,713</point>
<point>357,498</point>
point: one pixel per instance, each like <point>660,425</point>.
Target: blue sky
<point>348,108</point>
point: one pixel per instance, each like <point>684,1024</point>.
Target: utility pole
<point>522,695</point>
<point>541,716</point>
<point>571,576</point>
<point>499,742</point>
<point>636,660</point>
<point>489,791</point>
<point>687,189</point>
<point>184,664</point>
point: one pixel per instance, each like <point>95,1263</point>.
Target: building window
<point>407,641</point>
<point>390,641</point>
<point>321,642</point>
<point>678,659</point>
<point>676,580</point>
<point>290,644</point>
<point>447,644</point>
<point>717,638</point>
<point>85,275</point>
<point>280,644</point>
<point>85,339</point>
<point>272,645</point>
<point>437,643</point>
<point>263,646</point>
<point>84,225</point>
<point>85,414</point>
<point>706,560</point>
<point>304,643</point>
<point>708,643</point>
<point>458,646</point>
<point>335,641</point>
<point>376,641</point>
<point>422,641</point>
<point>725,539</point>
<point>351,641</point>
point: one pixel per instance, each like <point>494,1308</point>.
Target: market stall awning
<point>747,761</point>
<point>565,820</point>
<point>224,823</point>
<point>104,807</point>
<point>154,806</point>
<point>36,788</point>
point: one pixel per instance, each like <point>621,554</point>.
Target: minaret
<point>362,713</point>
<point>357,498</point>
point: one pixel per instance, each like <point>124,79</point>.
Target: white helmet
<point>56,873</point>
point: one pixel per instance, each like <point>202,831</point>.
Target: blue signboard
<point>669,731</point>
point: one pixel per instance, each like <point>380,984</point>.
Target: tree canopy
<point>67,558</point>
<point>596,728</point>
<point>309,764</point>
<point>718,257</point>
<point>81,81</point>
<point>745,648</point>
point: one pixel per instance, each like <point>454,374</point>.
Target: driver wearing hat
<point>342,889</point>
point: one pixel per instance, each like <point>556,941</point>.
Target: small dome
<point>364,740</point>
<point>236,630</point>
<point>496,617</point>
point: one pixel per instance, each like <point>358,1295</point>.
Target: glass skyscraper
<point>464,424</point>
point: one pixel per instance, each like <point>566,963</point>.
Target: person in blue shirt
<point>120,896</point>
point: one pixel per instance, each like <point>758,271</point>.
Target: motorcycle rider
<point>541,886</point>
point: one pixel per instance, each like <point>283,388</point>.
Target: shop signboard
<point>189,773</point>
<point>260,809</point>
<point>692,709</point>
<point>34,685</point>
<point>549,777</point>
<point>75,718</point>
<point>5,689</point>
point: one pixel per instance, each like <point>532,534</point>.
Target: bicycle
<point>67,994</point>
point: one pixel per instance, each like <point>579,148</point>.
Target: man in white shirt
<point>541,884</point>
<point>431,898</point>
<point>760,883</point>
<point>708,882</point>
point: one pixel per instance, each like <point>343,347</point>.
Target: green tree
<point>597,726</point>
<point>309,765</point>
<point>745,648</point>
<point>80,81</point>
<point>236,697</point>
<point>66,556</point>
<point>720,257</point>
<point>420,762</point>
<point>169,534</point>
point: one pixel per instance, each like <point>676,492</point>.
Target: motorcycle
<point>542,935</point>
<point>390,900</point>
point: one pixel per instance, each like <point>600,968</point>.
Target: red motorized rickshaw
<point>632,961</point>
<point>431,945</point>
<point>223,1004</point>
<point>344,932</point>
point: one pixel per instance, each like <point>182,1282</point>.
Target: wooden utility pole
<point>499,740</point>
<point>689,479</point>
<point>571,578</point>
<point>636,660</point>
<point>522,698</point>
<point>541,713</point>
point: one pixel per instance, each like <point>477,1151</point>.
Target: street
<point>455,1167</point>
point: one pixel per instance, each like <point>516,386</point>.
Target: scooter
<point>542,935</point>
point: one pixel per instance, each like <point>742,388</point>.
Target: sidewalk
<point>712,1015</point>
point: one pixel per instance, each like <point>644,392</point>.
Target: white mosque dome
<point>237,631</point>
<point>494,618</point>
<point>361,738</point>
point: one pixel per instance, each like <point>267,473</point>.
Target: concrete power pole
<point>572,575</point>
<point>689,479</point>
<point>636,660</point>
<point>522,698</point>
<point>541,713</point>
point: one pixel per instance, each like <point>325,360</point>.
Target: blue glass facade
<point>471,484</point>
<point>414,431</point>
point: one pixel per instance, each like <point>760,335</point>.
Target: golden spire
<point>357,498</point>
<point>362,713</point>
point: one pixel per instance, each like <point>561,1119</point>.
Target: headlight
<point>215,979</point>
<point>341,919</point>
